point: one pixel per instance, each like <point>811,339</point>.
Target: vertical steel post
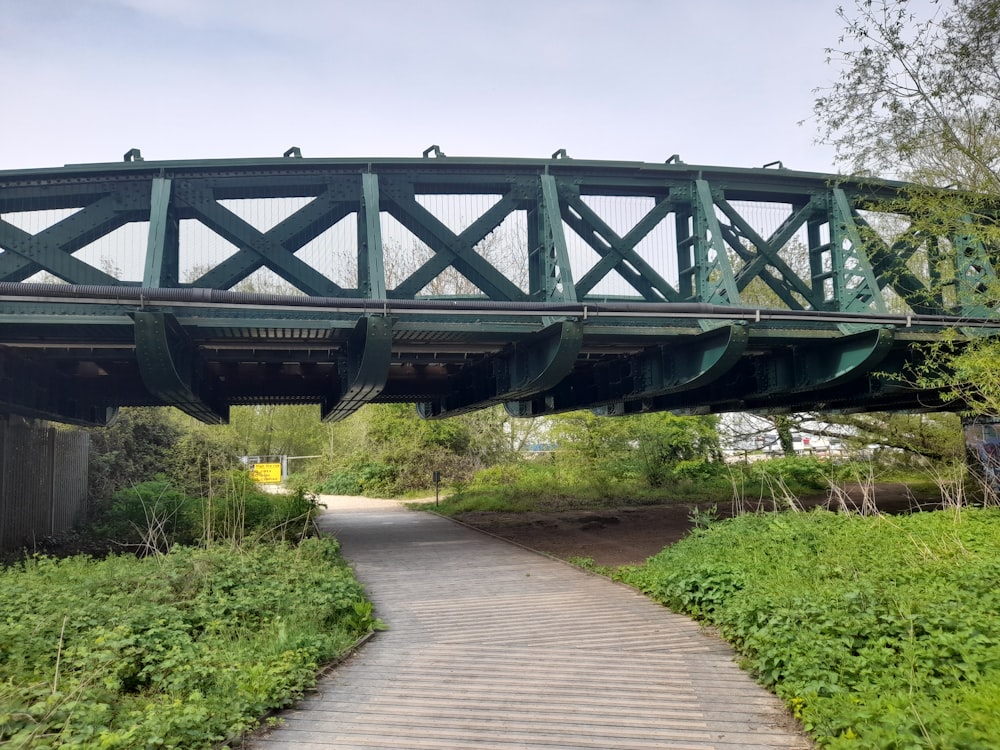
<point>162,266</point>
<point>371,265</point>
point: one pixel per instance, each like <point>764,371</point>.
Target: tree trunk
<point>784,427</point>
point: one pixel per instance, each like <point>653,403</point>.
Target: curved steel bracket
<point>168,365</point>
<point>697,363</point>
<point>840,360</point>
<point>522,371</point>
<point>365,368</point>
<point>657,371</point>
<point>685,367</point>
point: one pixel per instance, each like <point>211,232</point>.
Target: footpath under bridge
<point>458,283</point>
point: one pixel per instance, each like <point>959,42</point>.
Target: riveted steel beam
<point>199,203</point>
<point>715,282</point>
<point>445,253</point>
<point>975,273</point>
<point>288,236</point>
<point>836,371</point>
<point>557,285</point>
<point>51,249</point>
<point>810,367</point>
<point>619,253</point>
<point>459,252</point>
<point>170,368</point>
<point>364,368</point>
<point>534,366</point>
<point>853,287</point>
<point>644,297</point>
<point>788,286</point>
<point>892,272</point>
<point>163,247</point>
<point>371,264</point>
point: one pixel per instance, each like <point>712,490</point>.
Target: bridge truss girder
<point>795,313</point>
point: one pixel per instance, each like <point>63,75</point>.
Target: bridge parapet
<point>458,283</point>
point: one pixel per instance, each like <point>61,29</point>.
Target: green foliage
<point>562,482</point>
<point>569,480</point>
<point>387,450</point>
<point>138,446</point>
<point>270,430</point>
<point>933,436</point>
<point>647,447</point>
<point>369,478</point>
<point>879,632</point>
<point>918,93</point>
<point>703,518</point>
<point>151,517</point>
<point>798,473</point>
<point>202,459</point>
<point>182,650</point>
<point>918,90</point>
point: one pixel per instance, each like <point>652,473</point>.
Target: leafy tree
<point>918,94</point>
<point>389,449</point>
<point>918,91</point>
<point>273,430</point>
<point>137,447</point>
<point>202,459</point>
<point>646,445</point>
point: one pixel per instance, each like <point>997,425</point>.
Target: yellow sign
<point>266,473</point>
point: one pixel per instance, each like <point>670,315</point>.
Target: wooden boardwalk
<point>491,646</point>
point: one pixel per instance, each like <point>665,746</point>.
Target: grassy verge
<point>879,632</point>
<point>562,484</point>
<point>177,650</point>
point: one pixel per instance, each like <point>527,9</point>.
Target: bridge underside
<point>542,285</point>
<point>80,360</point>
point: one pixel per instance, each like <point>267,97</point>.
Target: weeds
<point>115,654</point>
<point>150,517</point>
<point>704,518</point>
<point>879,632</point>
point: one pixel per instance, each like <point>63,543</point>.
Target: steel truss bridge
<point>456,283</point>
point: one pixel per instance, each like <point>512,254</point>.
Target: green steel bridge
<point>459,283</point>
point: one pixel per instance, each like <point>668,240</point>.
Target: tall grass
<point>150,517</point>
<point>560,483</point>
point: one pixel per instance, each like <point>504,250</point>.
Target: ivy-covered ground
<point>880,632</point>
<point>180,650</point>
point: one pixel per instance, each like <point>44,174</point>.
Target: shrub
<point>150,516</point>
<point>795,472</point>
<point>153,516</point>
<point>371,478</point>
<point>879,632</point>
<point>698,469</point>
<point>181,650</point>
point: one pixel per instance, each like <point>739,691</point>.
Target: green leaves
<point>880,632</point>
<point>181,650</point>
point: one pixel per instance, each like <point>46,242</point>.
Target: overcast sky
<point>722,82</point>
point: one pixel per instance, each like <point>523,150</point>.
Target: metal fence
<point>43,482</point>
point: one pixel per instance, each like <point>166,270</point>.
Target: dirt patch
<point>628,535</point>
